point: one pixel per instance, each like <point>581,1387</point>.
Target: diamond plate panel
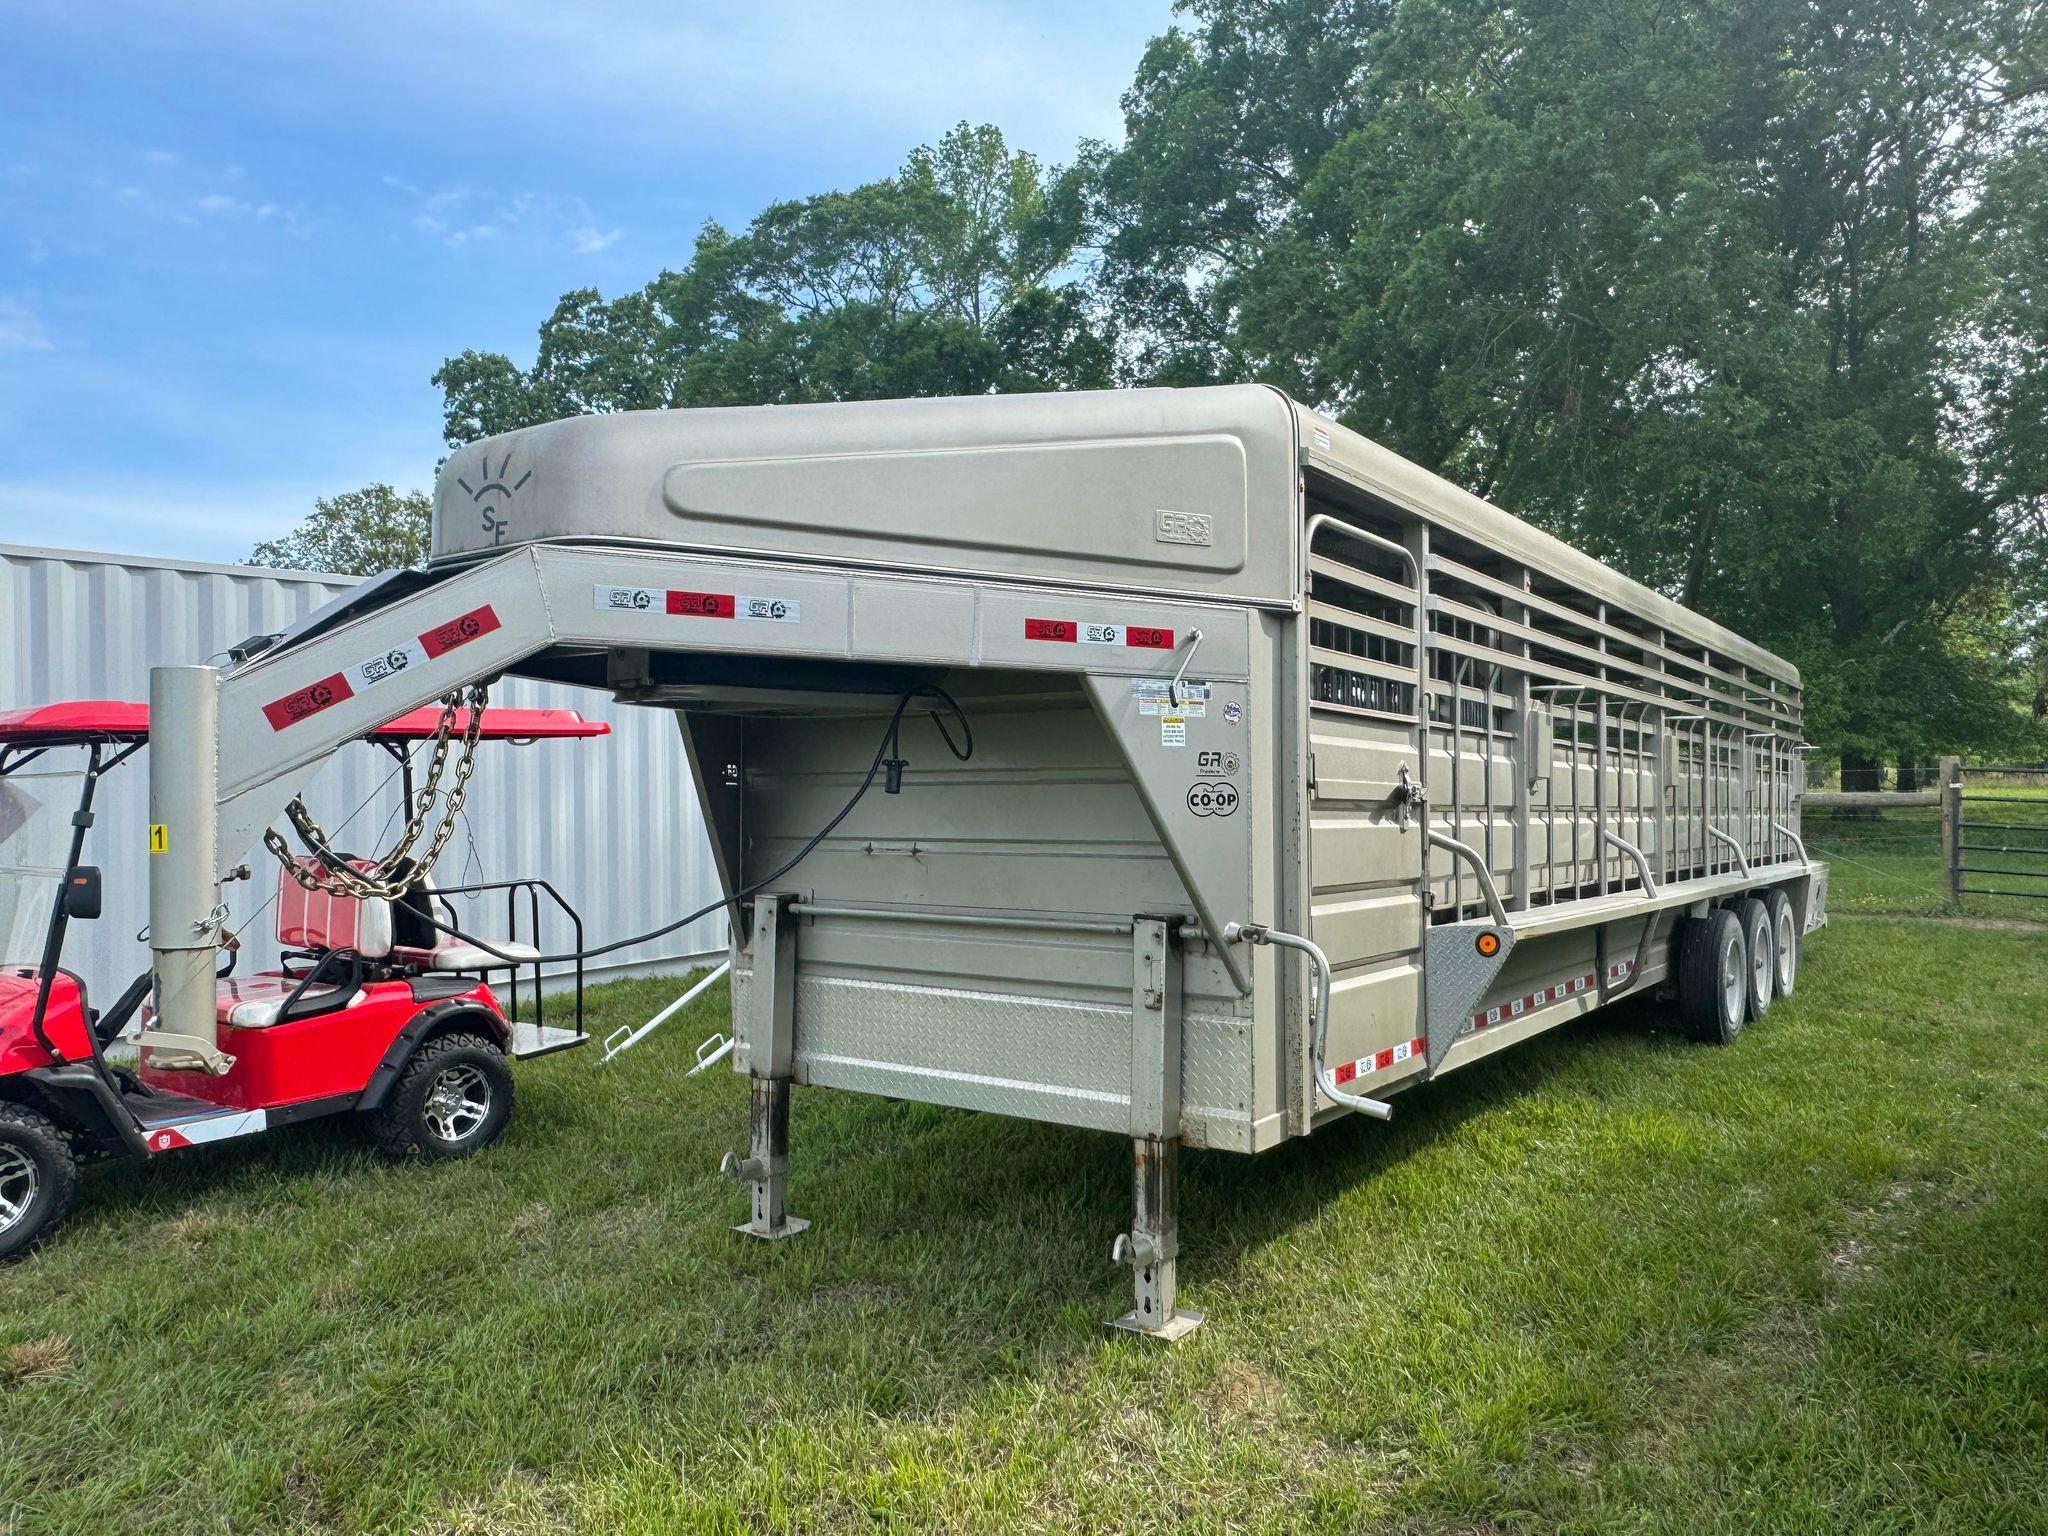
<point>1458,973</point>
<point>1038,1058</point>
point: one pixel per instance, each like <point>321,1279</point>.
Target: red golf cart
<point>373,1009</point>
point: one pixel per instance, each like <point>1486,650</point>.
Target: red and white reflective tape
<point>1543,997</point>
<point>1144,636</point>
<point>698,605</point>
<point>192,1133</point>
<point>1379,1061</point>
<point>371,670</point>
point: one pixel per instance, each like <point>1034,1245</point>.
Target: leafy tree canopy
<point>1745,298</point>
<point>358,533</point>
<point>943,279</point>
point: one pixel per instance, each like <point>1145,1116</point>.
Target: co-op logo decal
<point>493,496</point>
<point>1213,797</point>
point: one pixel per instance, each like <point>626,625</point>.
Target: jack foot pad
<point>791,1225</point>
<point>1177,1327</point>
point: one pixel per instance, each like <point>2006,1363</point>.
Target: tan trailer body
<point>1237,678</point>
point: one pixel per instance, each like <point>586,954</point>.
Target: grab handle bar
<point>1251,933</point>
<point>1741,858</point>
<point>1642,864</point>
<point>1487,888</point>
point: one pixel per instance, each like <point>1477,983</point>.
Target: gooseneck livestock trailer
<point>1173,763</point>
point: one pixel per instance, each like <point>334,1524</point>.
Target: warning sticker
<point>1173,731</point>
<point>1154,698</point>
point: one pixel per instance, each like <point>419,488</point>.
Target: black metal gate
<point>1995,832</point>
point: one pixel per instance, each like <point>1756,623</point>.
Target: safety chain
<point>392,875</point>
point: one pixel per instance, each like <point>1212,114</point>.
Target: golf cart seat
<point>419,943</point>
<point>257,1002</point>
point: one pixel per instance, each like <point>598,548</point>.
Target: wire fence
<point>1889,859</point>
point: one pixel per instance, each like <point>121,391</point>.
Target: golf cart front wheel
<point>38,1179</point>
<point>453,1099</point>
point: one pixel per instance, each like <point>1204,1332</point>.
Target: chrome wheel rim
<point>458,1102</point>
<point>19,1181</point>
<point>1731,980</point>
<point>1788,952</point>
<point>1760,963</point>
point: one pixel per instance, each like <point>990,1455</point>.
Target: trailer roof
<point>77,722</point>
<point>1175,492</point>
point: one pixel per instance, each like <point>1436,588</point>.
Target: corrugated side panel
<point>611,821</point>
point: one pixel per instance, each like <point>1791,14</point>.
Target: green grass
<point>1609,1281</point>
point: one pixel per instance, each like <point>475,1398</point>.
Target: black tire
<point>38,1180</point>
<point>1785,926</point>
<point>1710,954</point>
<point>453,1099</point>
<point>1760,950</point>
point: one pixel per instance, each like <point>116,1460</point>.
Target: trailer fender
<point>430,1023</point>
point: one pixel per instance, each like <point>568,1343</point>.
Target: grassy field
<point>1609,1282</point>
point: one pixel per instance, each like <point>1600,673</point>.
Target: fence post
<point>1952,826</point>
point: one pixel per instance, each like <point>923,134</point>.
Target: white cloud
<point>221,206</point>
<point>160,157</point>
<point>460,216</point>
<point>21,328</point>
<point>1048,71</point>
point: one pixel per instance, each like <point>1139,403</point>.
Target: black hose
<point>962,749</point>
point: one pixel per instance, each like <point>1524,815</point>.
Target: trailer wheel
<point>38,1180</point>
<point>1713,978</point>
<point>1785,928</point>
<point>1760,949</point>
<point>453,1099</point>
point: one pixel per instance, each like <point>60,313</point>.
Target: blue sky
<point>237,237</point>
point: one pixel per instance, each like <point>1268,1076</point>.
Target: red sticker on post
<point>307,702</point>
<point>446,637</point>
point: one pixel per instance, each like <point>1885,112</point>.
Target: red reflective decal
<point>1345,1073</point>
<point>445,637</point>
<point>1048,629</point>
<point>308,701</point>
<point>1150,639</point>
<point>701,605</point>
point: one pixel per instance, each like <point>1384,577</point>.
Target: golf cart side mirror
<point>82,892</point>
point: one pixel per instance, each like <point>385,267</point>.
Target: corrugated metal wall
<point>611,821</point>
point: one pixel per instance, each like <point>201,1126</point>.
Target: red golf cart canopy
<point>80,721</point>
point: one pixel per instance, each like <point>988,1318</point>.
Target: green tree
<point>1742,297</point>
<point>946,278</point>
<point>357,532</point>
